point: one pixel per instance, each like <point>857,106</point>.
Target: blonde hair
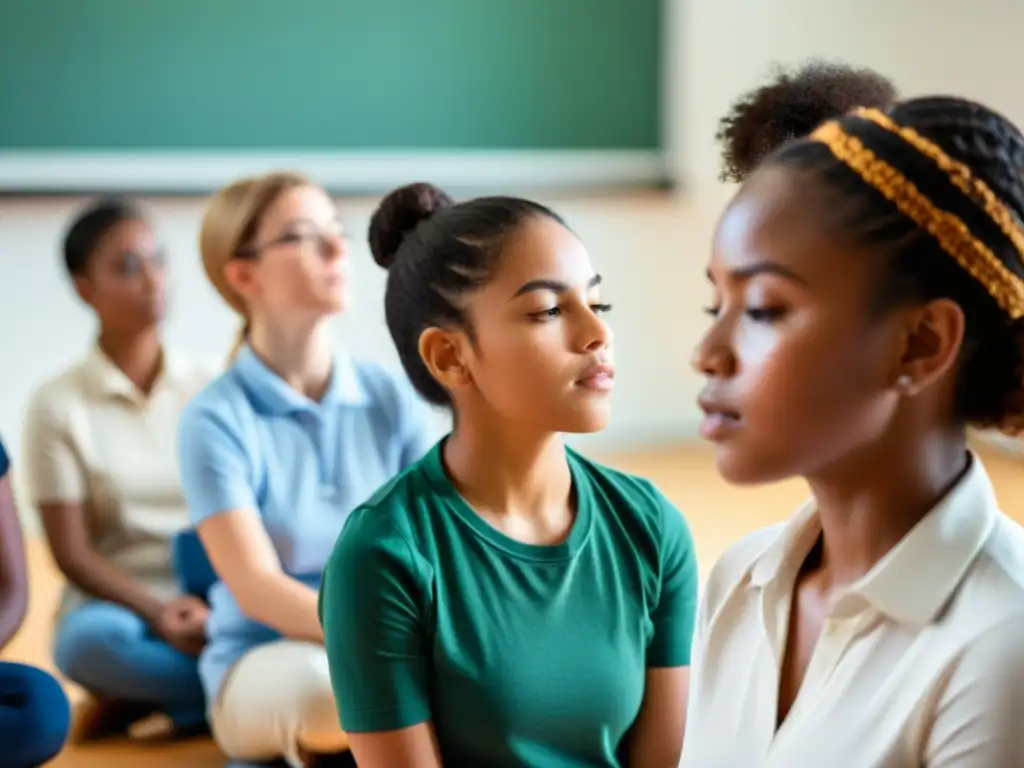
<point>232,216</point>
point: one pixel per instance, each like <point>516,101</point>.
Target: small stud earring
<point>903,382</point>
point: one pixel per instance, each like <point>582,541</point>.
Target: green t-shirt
<point>520,655</point>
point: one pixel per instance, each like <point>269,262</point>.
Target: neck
<point>861,521</point>
<point>302,356</point>
<point>137,354</point>
<point>498,473</point>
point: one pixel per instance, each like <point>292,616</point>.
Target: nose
<point>333,246</point>
<point>597,333</point>
<point>153,275</point>
<point>713,355</point>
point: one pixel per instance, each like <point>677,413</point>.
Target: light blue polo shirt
<point>249,440</point>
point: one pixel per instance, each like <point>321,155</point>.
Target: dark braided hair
<point>990,374</point>
<point>436,252</point>
<point>791,105</point>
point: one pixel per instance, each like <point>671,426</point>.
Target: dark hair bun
<point>792,105</point>
<point>398,214</point>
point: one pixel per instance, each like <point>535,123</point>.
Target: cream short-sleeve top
<point>91,437</point>
<point>919,664</point>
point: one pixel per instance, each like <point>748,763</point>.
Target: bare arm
<point>67,534</point>
<point>245,560</point>
<point>656,739</point>
<point>413,747</point>
<point>13,570</point>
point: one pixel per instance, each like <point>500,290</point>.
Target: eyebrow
<point>555,286</point>
<point>762,268</point>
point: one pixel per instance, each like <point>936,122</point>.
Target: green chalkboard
<point>327,75</point>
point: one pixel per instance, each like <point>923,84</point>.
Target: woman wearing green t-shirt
<point>506,601</point>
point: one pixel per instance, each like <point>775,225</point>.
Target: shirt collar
<point>275,396</point>
<point>915,579</point>
<point>106,379</point>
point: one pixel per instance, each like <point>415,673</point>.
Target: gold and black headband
<point>947,227</point>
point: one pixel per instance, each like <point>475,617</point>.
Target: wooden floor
<point>718,515</point>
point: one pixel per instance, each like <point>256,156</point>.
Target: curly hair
<point>791,105</point>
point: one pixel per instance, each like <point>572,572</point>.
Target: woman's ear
<point>441,352</point>
<point>83,287</point>
<point>240,275</point>
<point>934,336</point>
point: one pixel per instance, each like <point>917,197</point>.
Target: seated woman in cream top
<point>101,464</point>
<point>868,297</point>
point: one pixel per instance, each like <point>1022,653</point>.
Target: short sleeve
<point>5,462</point>
<point>675,614</point>
<point>215,467</point>
<point>51,462</point>
<point>372,604</point>
<point>977,720</point>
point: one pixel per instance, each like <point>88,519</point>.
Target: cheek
<point>522,364</point>
<point>810,373</point>
<point>118,292</point>
<point>283,282</point>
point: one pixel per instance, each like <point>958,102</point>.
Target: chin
<point>333,305</point>
<point>738,468</point>
<point>587,423</point>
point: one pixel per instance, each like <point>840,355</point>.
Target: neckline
<point>433,464</point>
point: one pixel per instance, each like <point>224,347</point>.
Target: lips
<point>720,420</point>
<point>600,377</point>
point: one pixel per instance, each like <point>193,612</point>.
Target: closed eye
<point>544,314</point>
<point>757,314</point>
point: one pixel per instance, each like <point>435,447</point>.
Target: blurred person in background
<point>275,454</point>
<point>101,466</point>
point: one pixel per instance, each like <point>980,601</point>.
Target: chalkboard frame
<point>172,174</point>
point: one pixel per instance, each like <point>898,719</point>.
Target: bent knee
<point>320,730</point>
<point>95,636</point>
<point>310,679</point>
<point>44,714</point>
<point>278,696</point>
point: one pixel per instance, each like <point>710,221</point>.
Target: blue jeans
<point>113,654</point>
<point>34,716</point>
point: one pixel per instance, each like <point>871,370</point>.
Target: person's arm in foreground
<point>656,739</point>
<point>13,569</point>
<point>373,597</point>
<point>216,479</point>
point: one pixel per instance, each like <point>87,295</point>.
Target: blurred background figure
<point>100,463</point>
<point>274,455</point>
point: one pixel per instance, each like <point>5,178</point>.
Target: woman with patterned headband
<point>868,283</point>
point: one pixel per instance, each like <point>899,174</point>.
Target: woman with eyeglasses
<point>275,454</point>
<point>101,467</point>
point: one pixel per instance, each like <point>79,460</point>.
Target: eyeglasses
<point>132,263</point>
<point>324,243</point>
